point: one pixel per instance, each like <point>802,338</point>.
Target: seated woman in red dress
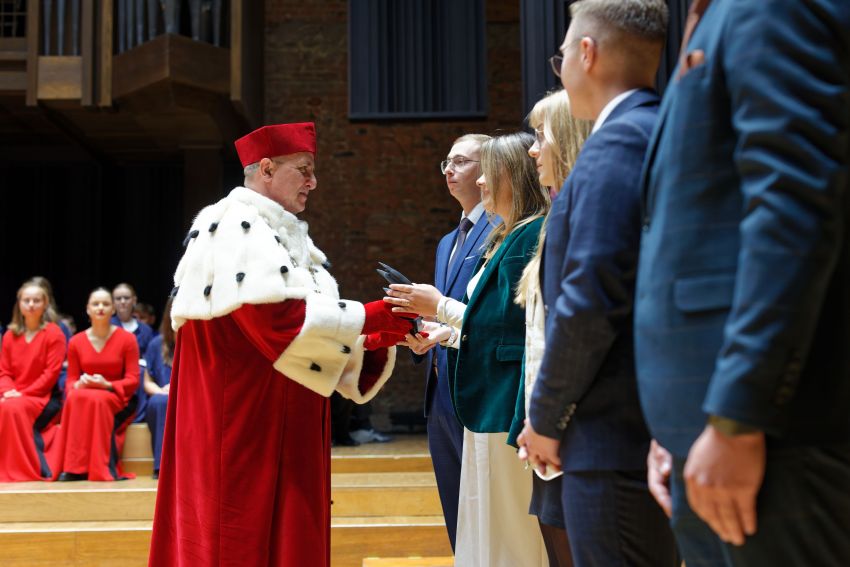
<point>100,400</point>
<point>30,361</point>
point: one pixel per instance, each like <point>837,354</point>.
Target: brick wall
<point>380,195</point>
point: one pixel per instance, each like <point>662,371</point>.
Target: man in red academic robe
<point>263,340</point>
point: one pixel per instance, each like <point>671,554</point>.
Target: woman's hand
<point>435,333</point>
<point>94,382</point>
<point>417,298</point>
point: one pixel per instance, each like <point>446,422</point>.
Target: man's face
<point>573,76</point>
<point>292,178</point>
<point>461,178</point>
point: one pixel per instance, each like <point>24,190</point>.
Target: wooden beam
<point>87,51</point>
<point>33,40</point>
<point>59,77</point>
<point>246,60</point>
<point>104,54</point>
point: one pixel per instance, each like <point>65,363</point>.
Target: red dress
<point>94,421</point>
<point>32,369</point>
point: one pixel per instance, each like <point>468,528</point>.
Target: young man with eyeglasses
<point>585,416</point>
<point>262,340</point>
<point>457,254</point>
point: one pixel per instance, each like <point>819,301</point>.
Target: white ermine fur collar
<point>246,249</point>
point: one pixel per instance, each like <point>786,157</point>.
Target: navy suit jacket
<point>451,284</point>
<point>744,280</point>
<point>586,392</point>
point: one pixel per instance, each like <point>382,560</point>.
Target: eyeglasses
<point>555,61</point>
<point>455,163</point>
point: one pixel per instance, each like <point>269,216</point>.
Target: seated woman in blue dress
<point>158,357</point>
<point>124,298</point>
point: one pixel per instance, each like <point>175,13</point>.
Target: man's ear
<point>266,168</point>
<point>588,53</point>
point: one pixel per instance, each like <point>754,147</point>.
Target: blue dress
<point>155,415</point>
<point>144,334</point>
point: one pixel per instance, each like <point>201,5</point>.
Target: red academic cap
<point>276,140</point>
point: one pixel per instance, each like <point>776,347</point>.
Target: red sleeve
<point>270,327</point>
<point>7,379</point>
<point>73,373</point>
<point>54,353</point>
<point>126,386</point>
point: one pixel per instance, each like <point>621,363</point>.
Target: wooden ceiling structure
<point>74,84</point>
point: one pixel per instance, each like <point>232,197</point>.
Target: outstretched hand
<point>417,298</point>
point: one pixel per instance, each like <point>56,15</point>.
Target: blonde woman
<point>559,138</point>
<point>30,361</point>
<point>486,334</point>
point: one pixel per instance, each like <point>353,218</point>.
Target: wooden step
<point>406,453</point>
<point>77,501</point>
<point>74,544</point>
<point>374,494</point>
<point>408,562</point>
<point>126,543</point>
<point>385,494</point>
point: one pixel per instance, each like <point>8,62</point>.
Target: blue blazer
<point>451,284</point>
<point>744,280</point>
<point>586,391</point>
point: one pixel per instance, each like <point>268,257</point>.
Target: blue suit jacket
<point>744,280</point>
<point>586,393</point>
<point>451,284</point>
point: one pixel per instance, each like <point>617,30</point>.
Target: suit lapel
<point>651,151</point>
<point>472,242</point>
<point>443,251</point>
<point>494,261</point>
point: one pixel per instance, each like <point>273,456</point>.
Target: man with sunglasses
<point>263,339</point>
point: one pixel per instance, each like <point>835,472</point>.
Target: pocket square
<point>690,61</point>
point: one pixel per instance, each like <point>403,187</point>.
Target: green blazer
<point>485,372</point>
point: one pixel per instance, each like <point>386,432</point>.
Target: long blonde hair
<point>508,167</point>
<point>17,325</point>
<point>565,136</point>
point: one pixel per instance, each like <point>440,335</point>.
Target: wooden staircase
<point>385,507</point>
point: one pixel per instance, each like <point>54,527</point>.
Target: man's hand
<point>723,475</point>
<point>659,464</point>
<point>539,449</point>
<point>417,298</point>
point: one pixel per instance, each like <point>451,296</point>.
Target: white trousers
<point>494,528</point>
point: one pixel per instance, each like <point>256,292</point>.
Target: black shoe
<point>155,475</point>
<point>69,476</point>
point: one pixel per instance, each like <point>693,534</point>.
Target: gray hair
<point>251,169</point>
<point>643,19</point>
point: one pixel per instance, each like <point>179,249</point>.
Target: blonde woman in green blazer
<point>487,334</point>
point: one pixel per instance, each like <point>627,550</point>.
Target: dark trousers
<point>803,514</point>
<point>155,418</point>
<point>445,442</point>
<point>612,521</point>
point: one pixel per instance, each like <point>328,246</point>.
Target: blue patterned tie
<point>462,231</point>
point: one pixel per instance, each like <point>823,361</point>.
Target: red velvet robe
<point>32,369</point>
<point>245,472</point>
<point>263,339</point>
